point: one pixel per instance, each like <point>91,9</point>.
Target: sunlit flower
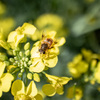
<point>19,35</point>
<point>20,92</point>
<point>78,66</point>
<point>55,86</point>
<point>49,22</point>
<point>74,93</point>
<point>44,52</point>
<point>5,79</point>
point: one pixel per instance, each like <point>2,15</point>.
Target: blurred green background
<point>81,20</point>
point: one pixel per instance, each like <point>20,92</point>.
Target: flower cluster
<point>25,63</point>
<point>86,64</point>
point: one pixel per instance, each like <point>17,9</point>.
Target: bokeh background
<point>80,25</point>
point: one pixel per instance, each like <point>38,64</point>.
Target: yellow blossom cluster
<point>86,64</point>
<point>24,61</point>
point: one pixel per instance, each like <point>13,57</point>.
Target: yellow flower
<point>20,92</point>
<point>49,22</point>
<point>77,67</point>
<point>75,93</point>
<point>5,79</point>
<point>56,85</point>
<point>19,35</point>
<point>44,52</point>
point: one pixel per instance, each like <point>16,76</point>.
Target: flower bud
<point>27,53</point>
<point>29,63</point>
<point>27,46</point>
<point>20,75</point>
<point>29,76</point>
<point>14,52</point>
<point>11,60</point>
<point>22,70</point>
<point>21,54</point>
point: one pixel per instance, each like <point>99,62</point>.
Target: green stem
<point>26,79</point>
<point>74,91</point>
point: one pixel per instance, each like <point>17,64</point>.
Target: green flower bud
<point>22,63</point>
<point>14,52</point>
<point>26,59</point>
<point>19,64</point>
<point>21,54</point>
<point>11,60</point>
<point>29,76</point>
<point>16,58</point>
<point>21,67</point>
<point>15,64</point>
<point>27,53</point>
<point>23,59</point>
<point>29,63</point>
<point>20,75</point>
<point>27,46</point>
<point>25,65</point>
<point>22,70</point>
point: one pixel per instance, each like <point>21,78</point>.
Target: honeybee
<point>45,45</point>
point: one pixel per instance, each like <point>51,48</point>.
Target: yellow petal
<point>35,52</point>
<point>59,90</point>
<point>4,44</point>
<point>28,29</point>
<point>6,80</point>
<point>51,62</point>
<point>20,38</point>
<point>37,66</point>
<point>53,52</point>
<point>31,89</point>
<point>38,97</point>
<point>60,41</point>
<point>2,68</point>
<point>36,77</point>
<point>48,89</point>
<point>15,37</point>
<point>17,88</point>
<point>52,78</point>
<point>51,34</point>
<point>11,36</point>
<point>64,80</point>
